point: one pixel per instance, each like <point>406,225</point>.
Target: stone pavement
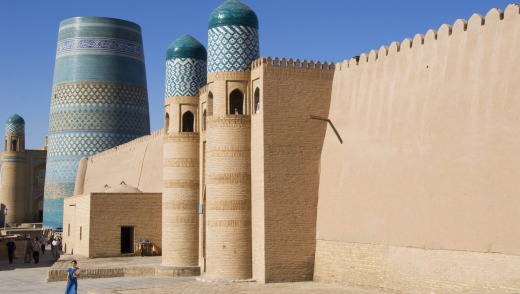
<point>32,278</point>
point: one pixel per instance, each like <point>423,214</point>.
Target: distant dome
<point>15,119</point>
<point>123,189</point>
<point>233,12</point>
<point>186,47</point>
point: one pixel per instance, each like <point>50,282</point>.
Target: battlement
<point>476,22</point>
<point>290,63</point>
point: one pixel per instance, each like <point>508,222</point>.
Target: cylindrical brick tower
<point>232,46</point>
<point>185,75</point>
<point>12,177</point>
<point>99,100</point>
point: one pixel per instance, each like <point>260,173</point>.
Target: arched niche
<point>188,122</point>
<point>166,123</point>
<point>257,100</point>
<point>236,102</point>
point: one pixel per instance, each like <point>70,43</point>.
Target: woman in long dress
<point>72,278</point>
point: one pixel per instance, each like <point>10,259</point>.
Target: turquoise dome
<point>15,119</point>
<point>233,12</point>
<point>186,47</point>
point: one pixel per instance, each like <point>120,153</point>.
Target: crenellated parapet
<point>291,63</point>
<point>294,68</point>
<point>445,32</point>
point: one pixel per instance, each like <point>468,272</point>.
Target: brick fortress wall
<point>423,193</point>
<point>285,153</point>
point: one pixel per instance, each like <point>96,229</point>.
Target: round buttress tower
<point>12,171</point>
<point>99,100</point>
<point>185,75</point>
<point>232,46</point>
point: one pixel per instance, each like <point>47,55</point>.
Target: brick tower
<point>232,46</point>
<point>99,100</point>
<point>185,75</point>
<point>12,171</point>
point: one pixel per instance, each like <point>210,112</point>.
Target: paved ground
<point>31,278</point>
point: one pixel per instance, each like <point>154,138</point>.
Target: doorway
<point>127,240</point>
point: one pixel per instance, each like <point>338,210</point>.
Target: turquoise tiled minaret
<point>15,124</point>
<point>185,75</point>
<point>12,171</point>
<point>226,198</point>
<point>232,37</point>
<point>99,100</point>
<point>185,67</point>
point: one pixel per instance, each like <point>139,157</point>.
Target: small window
<point>68,230</point>
<point>187,121</point>
<point>257,100</point>
<point>80,232</point>
<point>204,120</point>
<point>210,103</point>
<point>236,102</point>
<point>166,123</point>
<point>14,145</point>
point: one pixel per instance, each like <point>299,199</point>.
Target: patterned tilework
<point>87,118</point>
<point>99,100</point>
<point>64,151</point>
<point>99,118</point>
<point>14,128</point>
<point>61,170</point>
<point>53,209</point>
<point>84,143</point>
<point>102,45</point>
<point>93,94</point>
<point>184,76</point>
<point>99,68</point>
<point>99,106</point>
<point>232,48</point>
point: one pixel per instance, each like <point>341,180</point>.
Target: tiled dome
<point>233,12</point>
<point>15,119</point>
<point>186,47</point>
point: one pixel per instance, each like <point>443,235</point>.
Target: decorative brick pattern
<point>98,94</point>
<point>180,220</point>
<point>104,45</point>
<point>184,76</point>
<point>14,128</point>
<point>89,116</point>
<point>232,48</point>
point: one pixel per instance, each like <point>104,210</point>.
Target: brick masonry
<point>286,147</point>
<point>96,219</point>
<point>394,269</point>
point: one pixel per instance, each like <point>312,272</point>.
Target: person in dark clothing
<point>11,248</point>
<point>36,251</point>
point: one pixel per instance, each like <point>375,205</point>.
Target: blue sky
<point>325,30</point>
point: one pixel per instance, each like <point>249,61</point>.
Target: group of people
<point>35,247</point>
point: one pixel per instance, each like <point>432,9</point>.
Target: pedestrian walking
<point>28,250</point>
<point>72,278</point>
<point>36,251</point>
<point>11,248</point>
<point>54,248</point>
<point>43,243</point>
